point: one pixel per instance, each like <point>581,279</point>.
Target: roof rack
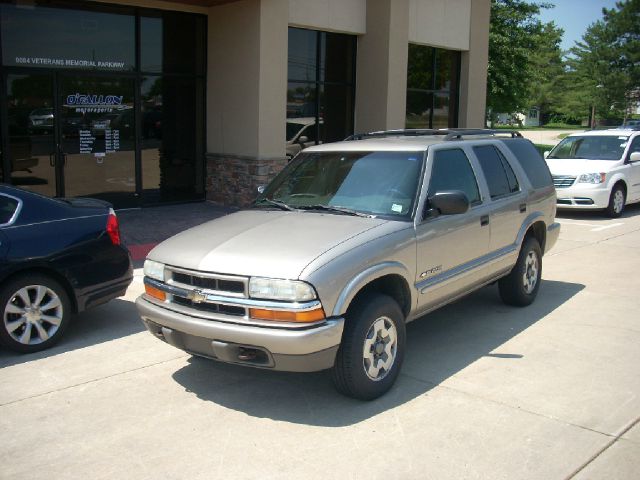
<point>448,133</point>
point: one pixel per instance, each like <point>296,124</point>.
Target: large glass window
<point>432,87</point>
<point>320,88</point>
<point>103,98</point>
<point>47,37</point>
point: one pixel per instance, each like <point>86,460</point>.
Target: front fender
<point>365,277</point>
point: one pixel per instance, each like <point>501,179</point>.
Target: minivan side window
<point>499,174</point>
<point>451,170</point>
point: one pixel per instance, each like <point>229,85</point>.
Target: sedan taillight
<point>113,228</point>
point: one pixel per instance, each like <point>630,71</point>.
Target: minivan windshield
<point>357,183</point>
<point>591,147</point>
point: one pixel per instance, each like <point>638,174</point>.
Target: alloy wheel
<point>33,314</point>
<point>530,276</point>
<point>380,348</point>
<point>618,201</point>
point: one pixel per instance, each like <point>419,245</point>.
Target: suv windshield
<point>591,147</point>
<point>372,183</point>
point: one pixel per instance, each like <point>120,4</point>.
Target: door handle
<point>523,207</point>
<point>52,159</point>
<point>484,220</point>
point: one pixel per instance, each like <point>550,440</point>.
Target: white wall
<point>346,16</point>
<point>440,23</point>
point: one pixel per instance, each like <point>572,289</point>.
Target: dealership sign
<point>89,103</point>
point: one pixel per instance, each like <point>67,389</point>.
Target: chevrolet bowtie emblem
<point>196,296</point>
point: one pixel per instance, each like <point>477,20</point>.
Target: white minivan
<point>597,170</point>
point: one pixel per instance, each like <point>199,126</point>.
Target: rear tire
<point>616,202</point>
<point>521,286</point>
<point>372,348</point>
<point>35,313</point>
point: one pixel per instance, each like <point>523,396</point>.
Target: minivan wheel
<point>35,313</point>
<point>521,286</point>
<point>616,202</point>
<point>372,348</point>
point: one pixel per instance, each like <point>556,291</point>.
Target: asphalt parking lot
<point>487,391</point>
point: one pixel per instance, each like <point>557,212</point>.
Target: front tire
<point>521,286</point>
<point>616,202</point>
<point>372,349</point>
<point>35,313</point>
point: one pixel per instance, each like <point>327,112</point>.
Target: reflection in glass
<point>98,138</point>
<point>432,86</point>
<point>172,42</point>
<point>172,138</point>
<point>303,54</point>
<point>84,39</point>
<point>319,110</point>
<point>31,139</point>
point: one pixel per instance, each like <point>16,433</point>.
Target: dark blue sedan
<point>57,257</point>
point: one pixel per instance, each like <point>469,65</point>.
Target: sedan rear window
<point>8,207</point>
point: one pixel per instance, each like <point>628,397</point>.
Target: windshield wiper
<point>276,203</point>
<point>335,208</point>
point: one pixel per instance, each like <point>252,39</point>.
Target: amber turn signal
<point>155,292</point>
<point>286,316</point>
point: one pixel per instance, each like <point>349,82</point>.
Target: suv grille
<point>211,307</point>
<point>220,284</point>
<point>563,181</point>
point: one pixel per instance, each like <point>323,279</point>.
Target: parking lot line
<point>595,227</point>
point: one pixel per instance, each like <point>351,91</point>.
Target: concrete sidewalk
<point>487,391</point>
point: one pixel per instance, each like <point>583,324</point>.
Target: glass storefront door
<point>31,135</point>
<point>97,137</point>
<point>83,144</point>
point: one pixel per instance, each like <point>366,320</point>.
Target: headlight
<point>592,178</point>
<point>154,270</point>
<point>273,289</point>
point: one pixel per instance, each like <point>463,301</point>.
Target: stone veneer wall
<point>233,180</point>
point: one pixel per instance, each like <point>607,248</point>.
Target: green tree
<point>514,32</point>
<point>547,71</point>
<point>604,68</point>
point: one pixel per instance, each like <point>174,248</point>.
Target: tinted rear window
<point>531,161</point>
<point>8,207</point>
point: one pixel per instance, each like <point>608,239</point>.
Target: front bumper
<point>583,196</point>
<point>289,349</point>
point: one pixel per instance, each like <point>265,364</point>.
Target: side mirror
<point>261,188</point>
<point>546,153</point>
<point>634,157</point>
<point>450,202</point>
<point>303,139</point>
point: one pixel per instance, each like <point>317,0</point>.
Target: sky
<point>574,16</point>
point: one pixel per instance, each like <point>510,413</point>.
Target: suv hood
<point>264,243</point>
<point>577,166</point>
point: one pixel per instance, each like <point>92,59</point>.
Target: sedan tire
<point>35,313</point>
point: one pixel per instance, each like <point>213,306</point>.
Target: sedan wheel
<point>35,311</point>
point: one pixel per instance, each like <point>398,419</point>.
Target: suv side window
<point>451,170</point>
<point>499,174</point>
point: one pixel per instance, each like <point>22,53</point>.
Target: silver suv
<point>347,244</point>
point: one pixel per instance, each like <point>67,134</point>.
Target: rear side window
<point>499,174</point>
<point>531,161</point>
<point>8,207</point>
<point>452,171</point>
